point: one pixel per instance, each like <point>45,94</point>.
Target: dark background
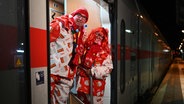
<point>168,16</point>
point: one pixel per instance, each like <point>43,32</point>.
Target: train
<point>141,56</point>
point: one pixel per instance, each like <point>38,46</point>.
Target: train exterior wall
<point>145,62</point>
<point>38,51</point>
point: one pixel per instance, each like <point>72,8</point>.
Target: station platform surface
<point>171,90</point>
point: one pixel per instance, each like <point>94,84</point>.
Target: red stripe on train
<point>143,54</point>
<point>38,47</point>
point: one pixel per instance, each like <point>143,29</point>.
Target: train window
<point>122,56</point>
<point>13,67</point>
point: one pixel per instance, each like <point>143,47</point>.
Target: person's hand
<point>88,71</point>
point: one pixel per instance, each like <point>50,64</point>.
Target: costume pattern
<point>61,47</point>
<point>97,59</point>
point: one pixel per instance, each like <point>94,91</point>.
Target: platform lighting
<point>181,50</point>
<point>165,50</point>
<point>181,45</point>
<point>159,40</point>
<point>156,34</point>
<point>182,31</point>
<point>141,16</point>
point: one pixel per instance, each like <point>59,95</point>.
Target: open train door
<point>98,16</point>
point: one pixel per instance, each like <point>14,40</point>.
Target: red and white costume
<point>62,30</point>
<point>97,59</point>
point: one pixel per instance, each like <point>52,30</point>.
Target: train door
<point>126,71</point>
<point>146,57</point>
<point>98,16</point>
<point>24,52</point>
<point>152,61</point>
<point>14,51</point>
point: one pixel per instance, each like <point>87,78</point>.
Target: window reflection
<point>12,69</point>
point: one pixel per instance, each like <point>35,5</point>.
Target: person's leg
<point>60,90</point>
<point>98,99</point>
<point>83,97</point>
<point>62,93</point>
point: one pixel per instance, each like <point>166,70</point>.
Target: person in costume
<point>63,33</point>
<point>96,62</point>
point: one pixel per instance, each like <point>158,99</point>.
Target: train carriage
<point>140,54</point>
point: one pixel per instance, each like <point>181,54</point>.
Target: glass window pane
<point>12,46</point>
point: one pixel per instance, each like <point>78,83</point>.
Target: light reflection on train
<point>140,54</point>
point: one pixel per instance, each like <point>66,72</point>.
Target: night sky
<point>163,13</point>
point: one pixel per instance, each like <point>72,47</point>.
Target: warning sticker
<point>18,61</point>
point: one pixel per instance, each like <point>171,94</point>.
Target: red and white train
<point>141,56</point>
